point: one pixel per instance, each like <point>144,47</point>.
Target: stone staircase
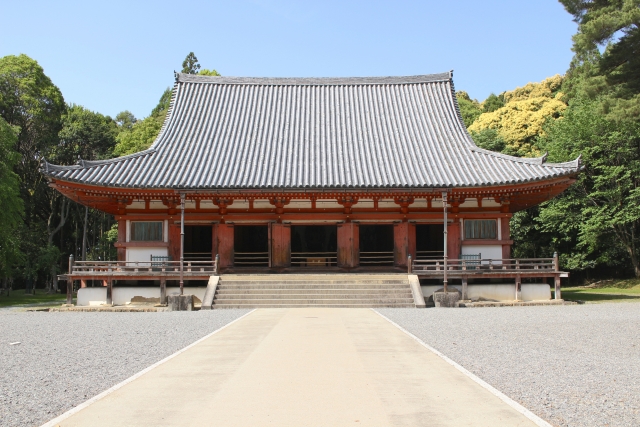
<point>314,290</point>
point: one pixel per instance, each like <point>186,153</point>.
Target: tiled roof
<point>295,133</point>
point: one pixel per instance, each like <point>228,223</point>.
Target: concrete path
<point>303,367</point>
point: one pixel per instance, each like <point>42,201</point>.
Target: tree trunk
<point>64,213</point>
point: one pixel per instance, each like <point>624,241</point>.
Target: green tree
<point>12,207</point>
<point>84,134</point>
<point>141,135</point>
<point>615,26</point>
<point>125,119</point>
<point>492,103</point>
<point>190,64</point>
<point>470,109</point>
<point>598,219</point>
<point>31,103</point>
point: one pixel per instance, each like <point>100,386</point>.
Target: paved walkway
<point>303,367</point>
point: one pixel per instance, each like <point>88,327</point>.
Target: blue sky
<point>118,55</point>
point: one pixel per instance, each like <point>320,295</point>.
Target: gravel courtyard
<point>64,359</point>
<point>570,365</point>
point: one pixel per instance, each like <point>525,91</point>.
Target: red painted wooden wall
<point>281,245</point>
<point>224,234</point>
<point>348,245</point>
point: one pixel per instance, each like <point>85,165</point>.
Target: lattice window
<point>480,229</point>
<point>146,231</point>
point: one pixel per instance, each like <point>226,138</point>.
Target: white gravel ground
<point>570,365</point>
<point>64,359</point>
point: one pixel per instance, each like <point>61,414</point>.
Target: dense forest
<point>592,111</point>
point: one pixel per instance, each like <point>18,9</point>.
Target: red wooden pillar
<point>348,245</point>
<point>122,238</point>
<point>453,239</point>
<point>224,234</point>
<point>174,241</point>
<point>505,232</point>
<point>401,244</point>
<point>280,245</point>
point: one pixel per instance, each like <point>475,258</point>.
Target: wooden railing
<point>251,259</point>
<point>457,267</point>
<point>197,256</point>
<point>423,255</point>
<point>376,258</point>
<point>314,259</point>
<point>133,268</point>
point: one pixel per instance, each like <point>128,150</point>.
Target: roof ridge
<point>314,81</point>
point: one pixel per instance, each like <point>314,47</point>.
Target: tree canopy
<point>613,75</point>
<point>520,121</point>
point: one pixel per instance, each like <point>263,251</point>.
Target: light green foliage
<point>205,72</point>
<point>469,108</point>
<point>140,135</point>
<point>520,121</point>
<point>12,206</point>
<point>598,219</point>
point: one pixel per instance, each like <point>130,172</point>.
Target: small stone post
<point>163,290</point>
<point>217,270</point>
<point>409,266</point>
<point>464,288</point>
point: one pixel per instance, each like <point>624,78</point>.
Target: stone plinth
<point>449,299</point>
<point>180,302</point>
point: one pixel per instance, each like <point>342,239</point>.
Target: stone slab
<point>303,367</point>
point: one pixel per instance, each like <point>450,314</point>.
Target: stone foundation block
<point>180,302</point>
<point>449,299</point>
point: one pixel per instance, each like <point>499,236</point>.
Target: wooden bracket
<point>404,203</point>
<point>223,204</point>
<point>279,203</point>
<point>348,203</point>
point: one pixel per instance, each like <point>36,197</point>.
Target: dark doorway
<point>376,244</point>
<point>429,241</point>
<point>314,245</point>
<point>197,243</point>
<point>251,246</point>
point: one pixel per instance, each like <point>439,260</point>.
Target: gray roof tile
<point>376,132</point>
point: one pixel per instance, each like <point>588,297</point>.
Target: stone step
<point>305,277</point>
<point>367,305</point>
<point>314,291</point>
<point>313,283</point>
<point>220,297</point>
<point>354,286</point>
<point>314,301</point>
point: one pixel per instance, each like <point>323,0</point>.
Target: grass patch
<point>18,297</point>
<point>605,291</point>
